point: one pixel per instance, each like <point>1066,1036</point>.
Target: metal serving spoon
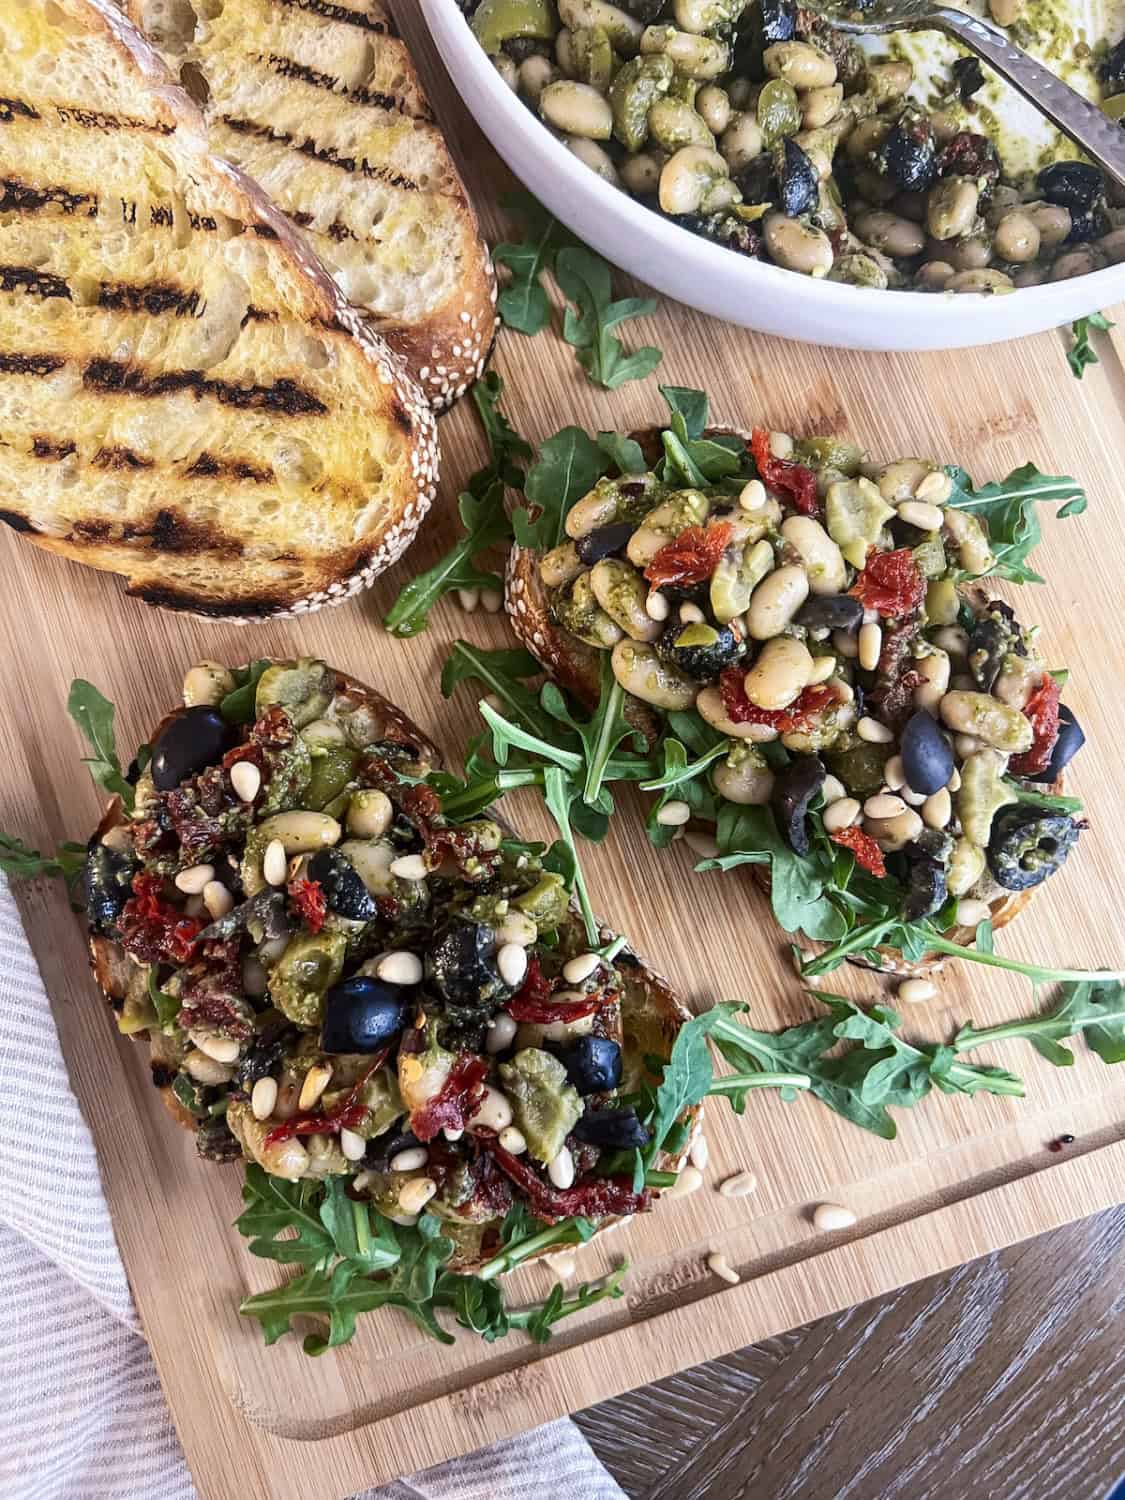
<point>1101,138</point>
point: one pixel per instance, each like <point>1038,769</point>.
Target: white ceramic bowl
<point>719,281</point>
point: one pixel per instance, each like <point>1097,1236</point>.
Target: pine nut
<point>193,881</point>
<point>263,1097</point>
<point>400,967</point>
<point>205,1069</point>
<point>690,1180</point>
<point>918,513</point>
<point>511,960</point>
<point>275,866</point>
<point>937,810</point>
<point>246,780</point>
<point>409,867</point>
<point>409,1160</point>
<point>453,1135</point>
<point>916,991</point>
<point>691,614</point>
<point>513,1140</point>
<point>501,1034</point>
<point>370,814</point>
<point>673,814</point>
<point>517,927</point>
<point>844,644</point>
<point>832,789</point>
<point>954,782</point>
<point>416,1194</point>
<point>972,913</point>
<point>722,1267</point>
<point>223,1049</point>
<point>702,844</point>
<point>700,1153</point>
<point>936,487</point>
<point>753,495</point>
<point>353,1146</point>
<point>217,899</point>
<point>492,601</point>
<point>870,646</point>
<point>828,1216</point>
<point>560,1169</point>
<point>781,445</point>
<point>657,606</point>
<point>883,806</point>
<point>873,732</point>
<point>563,1266</point>
<point>823,668</point>
<point>493,1112</point>
<point>912,798</point>
<point>893,773</point>
<point>468,599</point>
<point>579,969</point>
<point>741,1185</point>
<point>840,814</point>
<point>316,1081</point>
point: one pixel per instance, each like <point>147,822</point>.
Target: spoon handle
<point>1101,138</point>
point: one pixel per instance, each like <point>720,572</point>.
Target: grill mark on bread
<point>336,230</point>
<point>328,154</point>
<point>156,298</point>
<point>46,448</point>
<point>288,67</point>
<point>207,466</point>
<point>34,282</point>
<point>120,457</point>
<point>30,364</point>
<point>330,12</point>
<point>21,197</point>
<point>283,398</point>
<point>10,108</point>
<point>98,119</point>
<point>17,522</point>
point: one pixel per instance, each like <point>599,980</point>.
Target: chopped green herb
<point>1081,353</point>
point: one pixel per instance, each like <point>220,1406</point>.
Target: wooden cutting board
<point>964,1176</point>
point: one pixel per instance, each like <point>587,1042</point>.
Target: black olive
<point>107,883</point>
<point>778,20</point>
<point>726,229</point>
<point>793,790</point>
<point>612,1129</point>
<point>1028,844</point>
<point>344,892</point>
<point>994,635</point>
<point>384,1148</point>
<point>968,75</point>
<point>830,612</point>
<point>193,740</point>
<point>700,650</point>
<point>757,181</point>
<point>927,755</point>
<point>461,966</point>
<point>1070,741</point>
<point>363,1014</point>
<point>592,1063</point>
<point>908,155</point>
<point>215,1142</point>
<point>1073,184</point>
<point>1112,71</point>
<point>264,1056</point>
<point>1087,226</point>
<point>798,181</point>
<point>927,860</point>
<point>603,541</point>
<point>644,10</point>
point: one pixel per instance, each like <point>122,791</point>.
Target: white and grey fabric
<point>82,1416</point>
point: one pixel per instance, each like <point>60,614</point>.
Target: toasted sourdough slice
<point>321,104</point>
<point>185,396</point>
<point>650,1013</point>
<point>574,665</point>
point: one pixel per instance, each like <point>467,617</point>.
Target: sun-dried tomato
<point>868,855</point>
<point>690,557</point>
<point>347,1115</point>
<point>793,481</point>
<point>1042,709</point>
<point>308,897</point>
<point>532,1001</point>
<point>890,583</point>
<point>422,806</point>
<point>968,155</point>
<point>152,929</point>
<point>456,1102</point>
<point>798,716</point>
<point>591,1199</point>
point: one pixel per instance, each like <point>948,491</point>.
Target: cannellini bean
<point>560,566</point>
<point>987,719</point>
<point>776,600</point>
<point>699,57</point>
<point>1052,221</point>
<point>624,30</point>
<point>952,208</point>
<point>641,672</point>
<point>820,105</point>
<point>780,673</point>
<point>803,66</point>
<point>593,156</point>
<point>710,706</point>
<point>743,781</point>
<point>370,813</point>
<point>712,103</point>
<point>641,173</point>
<point>798,246</point>
<point>1017,237</point>
<point>623,594</point>
<point>535,73</point>
<point>894,833</point>
<point>208,1070</point>
<point>301,832</point>
<point>501,1034</point>
<point>372,860</point>
<point>598,508</point>
<point>973,551</point>
<point>688,178</point>
<point>966,866</point>
<point>741,141</point>
<point>1018,679</point>
<point>822,558</point>
<point>889,232</point>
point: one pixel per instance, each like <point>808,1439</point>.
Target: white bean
<point>591,155</point>
<point>687,178</point>
<point>776,600</point>
<point>987,719</point>
<point>803,66</point>
<point>741,143</point>
<point>301,832</point>
<point>744,781</point>
<point>624,30</point>
<point>577,109</point>
<point>193,881</point>
<point>798,246</point>
<point>973,551</point>
<point>623,594</point>
<point>641,672</point>
<point>370,813</point>
<point>780,673</point>
<point>712,709</point>
<point>207,684</point>
<point>713,105</point>
<point>699,57</point>
<point>822,558</point>
<point>934,671</point>
<point>883,806</point>
<point>894,833</point>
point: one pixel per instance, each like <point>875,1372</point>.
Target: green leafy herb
<point>22,863</point>
<point>94,716</point>
<point>523,303</point>
<point>1008,507</point>
<point>569,465</point>
<point>1043,799</point>
<point>799,886</point>
<point>1092,1007</point>
<point>238,705</point>
<point>505,445</point>
<point>585,280</point>
<point>167,1007</point>
<point>1081,353</point>
<point>625,453</point>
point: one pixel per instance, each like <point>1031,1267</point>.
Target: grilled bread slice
<point>575,666</point>
<point>185,396</point>
<point>321,104</point>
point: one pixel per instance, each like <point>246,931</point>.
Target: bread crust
<point>649,1000</point>
<point>574,666</point>
<point>243,591</point>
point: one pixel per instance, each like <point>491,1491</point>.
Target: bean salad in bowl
<point>754,124</point>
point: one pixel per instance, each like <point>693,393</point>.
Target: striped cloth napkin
<point>82,1416</point>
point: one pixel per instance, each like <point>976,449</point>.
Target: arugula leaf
<point>523,303</point>
<point>1008,509</point>
<point>486,523</point>
<point>274,1206</point>
<point>585,279</point>
<point>697,460</point>
<point>569,465</point>
<point>557,794</point>
<point>521,1246</point>
<point>1043,799</point>
<point>504,443</point>
<point>601,736</point>
<point>1081,353</point>
<point>685,1082</point>
<point>539,1321</point>
<point>502,673</point>
<point>238,705</point>
<point>23,863</point>
<point>1093,1007</point>
<point>691,410</point>
<point>166,1006</point>
<point>370,1246</point>
<point>749,836</point>
<point>623,452</point>
<point>94,716</point>
<point>682,780</point>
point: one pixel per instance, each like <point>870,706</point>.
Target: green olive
<point>331,772</point>
<point>303,688</point>
<point>594,57</point>
<point>309,966</point>
<point>779,113</point>
<point>499,21</point>
<point>634,91</point>
<point>545,1105</point>
<point>828,453</point>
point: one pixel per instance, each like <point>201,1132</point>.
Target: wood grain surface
<point>964,1177</point>
<point>1003,1380</point>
